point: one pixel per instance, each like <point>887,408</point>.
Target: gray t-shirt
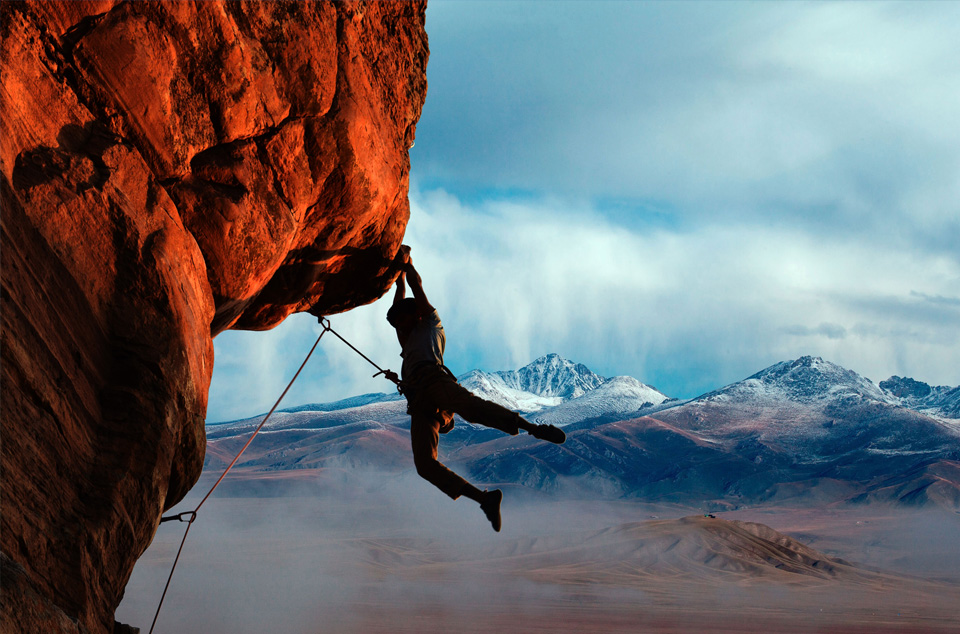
<point>424,346</point>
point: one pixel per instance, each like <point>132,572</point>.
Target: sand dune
<point>692,574</point>
<point>393,556</point>
<point>693,548</point>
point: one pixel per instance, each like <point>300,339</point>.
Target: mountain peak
<point>938,400</point>
<point>809,379</point>
<point>552,375</point>
<point>905,387</point>
<point>809,362</point>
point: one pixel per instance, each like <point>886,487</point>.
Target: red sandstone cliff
<point>171,170</point>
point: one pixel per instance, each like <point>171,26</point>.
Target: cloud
<point>685,310</point>
<point>683,193</point>
<point>830,331</point>
<point>823,116</point>
<point>939,300</point>
<point>524,279</point>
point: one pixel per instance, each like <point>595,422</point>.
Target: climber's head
<point>403,314</point>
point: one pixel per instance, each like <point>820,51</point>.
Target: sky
<point>682,192</point>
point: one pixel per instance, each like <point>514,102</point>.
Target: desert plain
<point>340,552</point>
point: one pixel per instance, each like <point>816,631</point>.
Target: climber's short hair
<point>406,306</point>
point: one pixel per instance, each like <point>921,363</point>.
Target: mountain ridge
<point>806,430</point>
<point>555,381</point>
<point>552,375</point>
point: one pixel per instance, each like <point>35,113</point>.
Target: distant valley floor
<point>390,554</point>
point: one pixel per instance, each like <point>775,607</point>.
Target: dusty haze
<point>381,552</point>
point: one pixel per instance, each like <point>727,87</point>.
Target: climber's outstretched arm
<point>400,261</point>
<point>401,290</point>
<point>424,307</point>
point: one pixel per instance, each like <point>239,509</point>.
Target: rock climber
<point>434,396</point>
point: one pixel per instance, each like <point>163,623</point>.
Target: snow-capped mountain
<point>367,409</point>
<point>810,408</point>
<point>552,376</point>
<point>492,387</point>
<point>801,430</point>
<point>811,380</point>
<point>544,383</point>
<point>785,403</point>
<point>550,388</point>
<point>805,380</point>
<point>555,390</point>
<point>619,397</point>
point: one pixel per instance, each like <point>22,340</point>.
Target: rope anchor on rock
<point>180,516</point>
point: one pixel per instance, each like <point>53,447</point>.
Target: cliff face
<point>171,170</point>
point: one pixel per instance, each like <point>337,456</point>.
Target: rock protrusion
<point>169,170</point>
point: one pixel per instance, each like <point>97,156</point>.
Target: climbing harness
<point>191,516</point>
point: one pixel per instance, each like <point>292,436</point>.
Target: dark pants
<point>426,418</point>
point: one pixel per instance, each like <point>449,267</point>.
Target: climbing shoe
<point>491,507</point>
<point>549,433</point>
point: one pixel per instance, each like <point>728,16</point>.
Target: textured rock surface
<point>171,170</point>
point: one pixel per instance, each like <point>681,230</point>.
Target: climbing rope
<point>191,516</point>
<point>326,326</point>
